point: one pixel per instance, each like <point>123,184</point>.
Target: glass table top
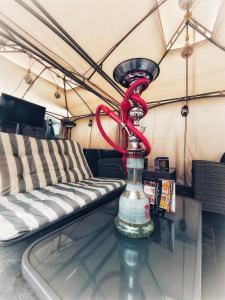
<point>89,259</point>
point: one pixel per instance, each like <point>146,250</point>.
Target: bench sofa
<point>43,182</point>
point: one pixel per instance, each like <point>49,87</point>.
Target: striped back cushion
<point>11,169</point>
<point>74,161</point>
<point>30,163</point>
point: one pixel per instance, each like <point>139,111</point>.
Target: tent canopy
<point>98,26</point>
<point>36,27</point>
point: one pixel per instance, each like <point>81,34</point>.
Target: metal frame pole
<point>61,32</point>
<point>39,53</point>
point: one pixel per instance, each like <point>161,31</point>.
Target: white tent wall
<point>91,137</point>
<point>76,105</point>
<point>165,131</point>
<point>205,131</point>
<point>41,93</point>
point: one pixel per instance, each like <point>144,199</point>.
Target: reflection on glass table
<point>89,259</point>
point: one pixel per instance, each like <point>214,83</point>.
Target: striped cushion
<point>24,212</point>
<point>28,163</point>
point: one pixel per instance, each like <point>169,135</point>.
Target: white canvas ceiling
<point>98,25</point>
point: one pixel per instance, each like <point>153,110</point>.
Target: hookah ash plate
<point>132,69</point>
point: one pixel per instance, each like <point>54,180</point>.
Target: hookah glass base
<point>133,218</point>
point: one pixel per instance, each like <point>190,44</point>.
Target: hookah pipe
<point>127,122</point>
<point>133,219</point>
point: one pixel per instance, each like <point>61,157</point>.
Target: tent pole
<point>69,81</point>
<point>52,115</point>
<point>77,118</point>
<point>154,8</point>
<point>132,29</point>
<point>65,95</point>
<point>171,101</point>
<point>203,31</point>
<point>192,97</point>
<point>183,99</point>
<point>9,48</point>
<point>49,60</point>
<point>81,98</point>
<point>55,114</point>
<point>32,37</point>
<point>75,71</point>
<point>173,39</point>
<point>67,39</point>
<point>186,87</point>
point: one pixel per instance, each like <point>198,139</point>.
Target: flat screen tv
<point>14,109</point>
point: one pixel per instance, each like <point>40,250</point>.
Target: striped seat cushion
<point>27,163</point>
<point>25,212</point>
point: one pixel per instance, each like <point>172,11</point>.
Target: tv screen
<point>14,109</point>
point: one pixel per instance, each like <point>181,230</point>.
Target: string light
<point>27,77</point>
<point>187,51</point>
<point>184,111</point>
<point>185,4</point>
<point>57,93</point>
<point>90,123</point>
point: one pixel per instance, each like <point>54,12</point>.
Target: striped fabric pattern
<point>25,212</point>
<point>27,163</point>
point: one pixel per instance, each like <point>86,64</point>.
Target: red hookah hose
<point>125,107</point>
<point>115,118</point>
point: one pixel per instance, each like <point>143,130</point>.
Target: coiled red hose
<point>125,107</point>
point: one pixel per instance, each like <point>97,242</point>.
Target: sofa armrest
<point>209,184</point>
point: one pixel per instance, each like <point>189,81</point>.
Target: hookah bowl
<point>133,219</point>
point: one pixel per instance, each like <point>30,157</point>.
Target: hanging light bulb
<point>49,122</point>
<point>184,111</point>
<point>28,78</point>
<point>57,93</point>
<point>187,51</point>
<point>90,123</point>
<point>185,4</point>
